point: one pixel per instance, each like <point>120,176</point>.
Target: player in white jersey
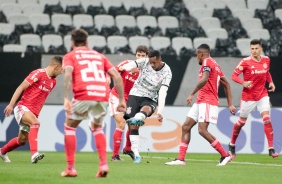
<point>148,92</point>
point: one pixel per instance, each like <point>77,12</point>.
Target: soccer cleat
<point>232,151</point>
<point>36,156</point>
<point>103,171</point>
<point>176,162</point>
<point>272,153</point>
<point>224,160</point>
<point>134,121</point>
<point>137,160</point>
<point>69,173</point>
<point>116,159</point>
<point>130,153</point>
<point>4,157</point>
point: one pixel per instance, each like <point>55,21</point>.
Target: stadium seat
<point>67,42</point>
<point>104,21</point>
<point>259,34</point>
<point>278,14</point>
<point>48,2</point>
<point>39,19</point>
<point>215,33</point>
<point>200,13</point>
<point>201,40</point>
<point>125,20</point>
<point>243,44</point>
<point>86,3</point>
<point>209,23</point>
<point>30,39</point>
<point>24,2</point>
<point>194,4</point>
<point>13,48</point>
<point>167,22</point>
<point>160,42</point>
<point>18,19</point>
<point>58,19</point>
<point>145,21</point>
<point>252,23</point>
<point>179,42</point>
<point>7,1</point>
<point>6,28</point>
<point>257,4</point>
<point>115,42</point>
<point>114,3</point>
<point>131,3</point>
<point>243,14</point>
<point>216,4</point>
<point>148,4</point>
<point>235,5</point>
<point>96,41</point>
<point>10,8</point>
<point>65,3</point>
<point>82,20</point>
<point>135,41</point>
<point>51,39</point>
<point>29,9</point>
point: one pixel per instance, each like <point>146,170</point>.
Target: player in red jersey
<point>128,81</point>
<point>85,76</point>
<point>36,87</point>
<point>255,69</point>
<point>205,109</point>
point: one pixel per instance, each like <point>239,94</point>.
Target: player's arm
<point>227,90</point>
<point>270,81</point>
<point>133,64</point>
<point>67,88</point>
<point>8,110</point>
<point>161,101</point>
<point>235,76</point>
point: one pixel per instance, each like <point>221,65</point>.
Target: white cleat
<point>176,162</point>
<point>36,156</point>
<point>224,160</point>
<point>4,157</point>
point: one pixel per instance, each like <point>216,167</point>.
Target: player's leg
<point>127,149</point>
<point>264,108</point>
<point>191,119</point>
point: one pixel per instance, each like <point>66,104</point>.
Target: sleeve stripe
<point>164,85</point>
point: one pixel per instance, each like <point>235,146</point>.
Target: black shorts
<point>135,104</point>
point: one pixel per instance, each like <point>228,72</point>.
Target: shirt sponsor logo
<point>43,88</point>
<point>258,71</point>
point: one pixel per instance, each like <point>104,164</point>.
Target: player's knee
<point>266,119</point>
<point>22,141</point>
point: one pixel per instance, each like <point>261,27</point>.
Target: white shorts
<point>247,107</point>
<point>94,110</point>
<point>19,112</point>
<point>113,104</point>
<point>204,112</point>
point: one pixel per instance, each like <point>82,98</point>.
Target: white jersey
<point>150,81</point>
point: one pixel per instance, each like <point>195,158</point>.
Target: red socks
<point>218,147</point>
<point>32,138</point>
<point>268,130</point>
<point>236,131</point>
<point>128,143</point>
<point>70,145</point>
<point>100,141</point>
<point>117,141</point>
<point>182,150</point>
<point>10,146</point>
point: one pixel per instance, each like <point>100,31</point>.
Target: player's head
<point>256,48</point>
<point>56,66</point>
<point>203,51</point>
<point>142,51</point>
<point>79,38</point>
<point>155,60</point>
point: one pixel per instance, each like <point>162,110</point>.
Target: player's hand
<point>189,99</point>
<point>232,109</point>
<point>8,110</point>
<point>272,87</point>
<point>108,80</point>
<point>160,117</point>
<point>67,105</point>
<point>121,106</point>
<point>247,84</point>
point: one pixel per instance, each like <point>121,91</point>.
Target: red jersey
<point>209,92</point>
<point>88,76</point>
<point>255,71</point>
<point>35,95</point>
<point>128,80</point>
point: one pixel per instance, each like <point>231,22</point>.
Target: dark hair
<point>142,48</point>
<point>57,59</point>
<point>154,53</point>
<point>255,42</point>
<point>204,46</point>
<point>79,37</point>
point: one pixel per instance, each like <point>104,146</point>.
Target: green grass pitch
<point>200,169</point>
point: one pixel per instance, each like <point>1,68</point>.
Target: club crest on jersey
<point>35,79</point>
<point>128,110</point>
<point>264,65</point>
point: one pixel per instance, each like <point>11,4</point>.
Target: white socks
<point>134,139</point>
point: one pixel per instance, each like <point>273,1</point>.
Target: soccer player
<point>148,91</point>
<point>85,76</point>
<point>255,69</point>
<point>205,109</point>
<point>36,87</point>
<point>129,78</point>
